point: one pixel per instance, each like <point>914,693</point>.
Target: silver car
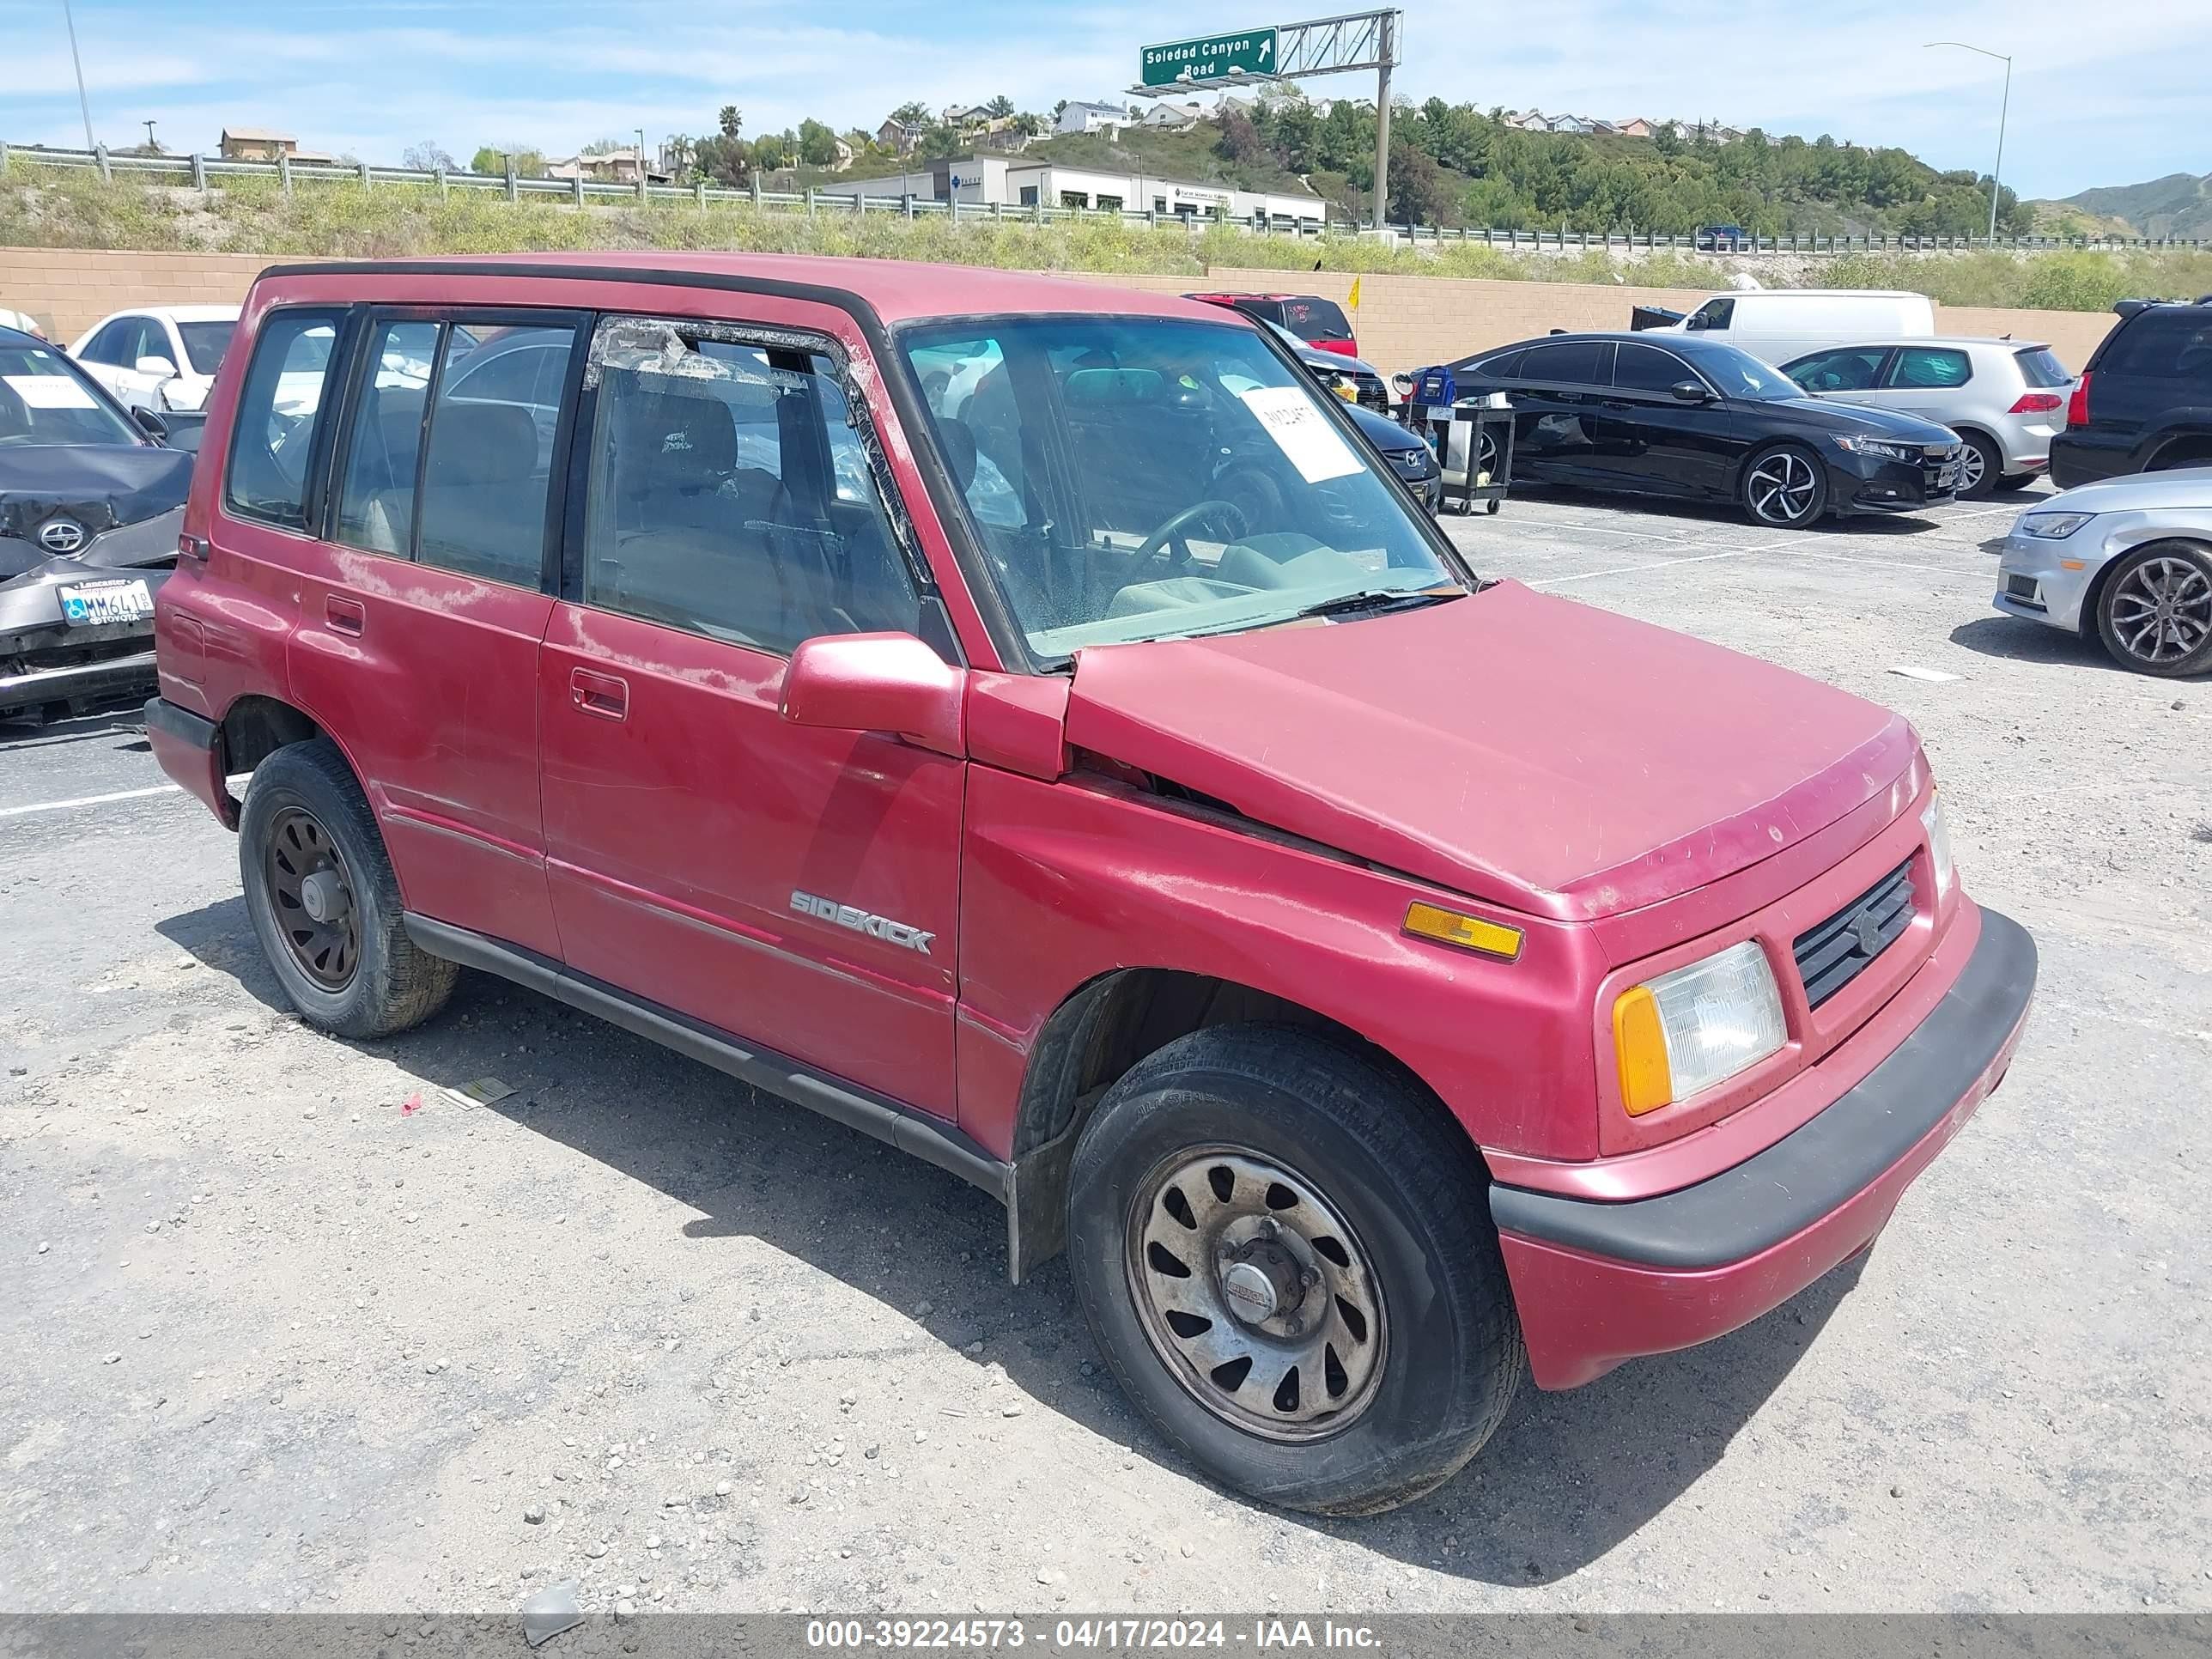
<point>2125,560</point>
<point>2006,398</point>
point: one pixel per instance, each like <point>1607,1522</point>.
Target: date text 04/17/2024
<point>1086,1634</point>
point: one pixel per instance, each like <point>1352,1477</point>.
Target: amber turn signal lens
<point>1492,938</point>
<point>1647,1083</point>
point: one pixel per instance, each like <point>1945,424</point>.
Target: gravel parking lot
<point>291,1326</point>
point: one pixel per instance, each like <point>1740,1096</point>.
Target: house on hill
<point>264,144</point>
<point>1080,115</point>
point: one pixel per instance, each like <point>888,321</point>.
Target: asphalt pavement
<point>292,1325</point>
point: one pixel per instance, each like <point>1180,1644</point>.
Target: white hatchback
<point>158,357</point>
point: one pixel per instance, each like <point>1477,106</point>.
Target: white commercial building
<point>1013,182</point>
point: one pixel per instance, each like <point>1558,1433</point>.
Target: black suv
<point>2144,404</point>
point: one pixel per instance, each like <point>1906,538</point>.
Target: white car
<point>2126,560</point>
<point>158,357</point>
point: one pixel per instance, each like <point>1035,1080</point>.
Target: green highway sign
<point>1210,57</point>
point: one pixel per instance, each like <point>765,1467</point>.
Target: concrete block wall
<point>1404,322</point>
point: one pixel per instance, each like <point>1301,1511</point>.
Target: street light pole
<point>148,125</point>
<point>641,152</point>
<point>2004,109</point>
<point>85,108</point>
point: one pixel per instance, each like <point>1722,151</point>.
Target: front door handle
<point>346,617</point>
<point>603,694</point>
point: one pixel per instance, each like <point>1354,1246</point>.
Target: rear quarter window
<point>2166,343</point>
<point>2040,367</point>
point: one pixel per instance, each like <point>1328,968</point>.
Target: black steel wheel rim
<point>311,897</point>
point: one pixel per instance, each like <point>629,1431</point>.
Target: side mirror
<point>1690,392</point>
<point>878,682</point>
<point>160,366</point>
<point>150,423</point>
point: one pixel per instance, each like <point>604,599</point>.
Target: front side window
<point>42,401</point>
<point>1852,368</point>
<point>1714,314</point>
<point>730,495</point>
<point>274,428</point>
<point>1740,374</point>
<point>205,343</point>
<point>120,344</point>
<point>1133,478</point>
<point>1930,368</point>
<point>1647,368</point>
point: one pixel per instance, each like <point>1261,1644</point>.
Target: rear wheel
<point>1284,1252</point>
<point>324,902</point>
<point>1785,487</point>
<point>1979,467</point>
<point>2154,614</point>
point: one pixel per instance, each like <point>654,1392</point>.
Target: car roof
<point>15,336</point>
<point>1885,341</point>
<point>896,290</point>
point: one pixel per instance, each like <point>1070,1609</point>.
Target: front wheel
<point>1785,487</point>
<point>1285,1251</point>
<point>2155,612</point>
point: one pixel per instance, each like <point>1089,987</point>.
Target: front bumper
<point>1596,1284</point>
<point>1871,484</point>
<point>2047,580</point>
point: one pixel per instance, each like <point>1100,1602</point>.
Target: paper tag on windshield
<point>1302,432</point>
<point>49,391</point>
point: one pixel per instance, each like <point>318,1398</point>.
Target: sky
<point>2116,102</point>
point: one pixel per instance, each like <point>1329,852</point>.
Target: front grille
<point>1834,953</point>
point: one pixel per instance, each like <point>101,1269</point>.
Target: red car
<point>1379,981</point>
<point>1320,322</point>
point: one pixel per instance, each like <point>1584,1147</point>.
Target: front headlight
<point>1682,1033</point>
<point>1883,447</point>
<point>2053,526</point>
<point>1939,843</point>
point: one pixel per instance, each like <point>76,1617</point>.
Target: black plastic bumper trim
<point>1822,1164</point>
<point>166,717</point>
<point>926,1137</point>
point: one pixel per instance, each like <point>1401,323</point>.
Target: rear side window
<point>728,496</point>
<point>1315,320</point>
<point>1570,362</point>
<point>2039,366</point>
<point>2170,343</point>
<point>1930,368</point>
<point>274,429</point>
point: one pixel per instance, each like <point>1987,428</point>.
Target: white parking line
<point>89,800</point>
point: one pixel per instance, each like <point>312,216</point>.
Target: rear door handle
<point>347,616</point>
<point>603,694</point>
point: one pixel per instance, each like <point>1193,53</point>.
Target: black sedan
<point>1697,420</point>
<point>90,505</point>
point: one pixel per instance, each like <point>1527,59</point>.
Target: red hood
<point>1539,753</point>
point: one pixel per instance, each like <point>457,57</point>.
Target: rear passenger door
<point>1559,393</point>
<point>418,636</point>
<point>728,512</point>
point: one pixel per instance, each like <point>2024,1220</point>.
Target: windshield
<point>1143,478</point>
<point>205,343</point>
<point>1740,374</point>
<point>41,402</point>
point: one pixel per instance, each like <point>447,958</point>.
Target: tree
<point>731,122</point>
<point>999,107</point>
<point>528,161</point>
<point>772,150</point>
<point>426,157</point>
<point>913,113</point>
<point>1059,110</point>
<point>817,144</point>
<point>1418,193</point>
<point>1029,123</point>
<point>1239,140</point>
<point>725,160</point>
<point>681,151</point>
<point>604,147</point>
<point>938,142</point>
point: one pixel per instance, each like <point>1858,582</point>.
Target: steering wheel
<point>1171,532</point>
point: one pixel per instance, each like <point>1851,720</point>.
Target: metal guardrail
<point>207,171</point>
<point>202,172</point>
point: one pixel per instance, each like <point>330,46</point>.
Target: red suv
<point>871,680</point>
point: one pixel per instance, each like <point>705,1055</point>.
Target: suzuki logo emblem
<point>63,536</point>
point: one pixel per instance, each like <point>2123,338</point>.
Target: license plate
<point>89,604</point>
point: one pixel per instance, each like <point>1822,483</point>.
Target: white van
<point>1778,324</point>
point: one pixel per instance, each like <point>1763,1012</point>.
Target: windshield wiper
<point>1376,600</point>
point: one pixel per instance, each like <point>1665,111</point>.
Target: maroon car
<point>857,676</point>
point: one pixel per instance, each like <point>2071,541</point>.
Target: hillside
<point>1195,155</point>
<point>2179,204</point>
